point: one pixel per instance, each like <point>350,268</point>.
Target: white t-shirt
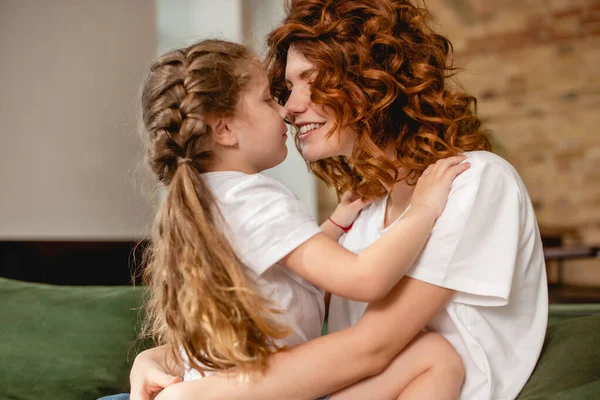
<point>486,246</point>
<point>265,222</point>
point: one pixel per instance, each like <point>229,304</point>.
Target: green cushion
<point>563,312</point>
<point>66,342</point>
<point>78,343</point>
<point>569,366</point>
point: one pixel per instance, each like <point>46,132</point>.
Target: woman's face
<point>312,121</point>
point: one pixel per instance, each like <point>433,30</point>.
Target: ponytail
<point>201,302</point>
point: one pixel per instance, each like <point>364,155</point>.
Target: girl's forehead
<point>261,81</point>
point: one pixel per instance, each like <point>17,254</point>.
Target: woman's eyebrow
<point>304,74</point>
<point>307,73</point>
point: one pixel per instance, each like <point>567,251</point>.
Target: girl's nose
<point>283,113</point>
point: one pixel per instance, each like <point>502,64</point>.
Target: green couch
<point>78,343</point>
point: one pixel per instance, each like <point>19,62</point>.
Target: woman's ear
<point>222,133</point>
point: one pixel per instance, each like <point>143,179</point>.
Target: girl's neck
<point>227,164</point>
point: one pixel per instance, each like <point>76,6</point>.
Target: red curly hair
<point>382,70</point>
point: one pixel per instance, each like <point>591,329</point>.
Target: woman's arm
<point>369,275</point>
<point>329,363</point>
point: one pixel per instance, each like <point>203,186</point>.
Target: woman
<point>364,84</point>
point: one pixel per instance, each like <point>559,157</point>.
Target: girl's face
<point>312,121</point>
<point>259,126</point>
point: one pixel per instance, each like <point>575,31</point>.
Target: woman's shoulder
<point>488,170</point>
<point>488,161</point>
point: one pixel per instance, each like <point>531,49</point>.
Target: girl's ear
<point>222,133</point>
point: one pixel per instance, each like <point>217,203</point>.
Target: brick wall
<point>534,67</point>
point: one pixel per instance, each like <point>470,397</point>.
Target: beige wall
<point>534,67</point>
<point>69,150</point>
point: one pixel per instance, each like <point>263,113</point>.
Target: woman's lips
<point>303,136</point>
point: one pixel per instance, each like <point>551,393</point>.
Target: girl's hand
<point>348,209</point>
<point>433,187</point>
<point>148,377</point>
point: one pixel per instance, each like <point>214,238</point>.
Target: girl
<point>236,258</point>
<point>371,74</point>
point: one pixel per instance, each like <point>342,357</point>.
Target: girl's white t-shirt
<point>264,222</point>
<point>486,246</point>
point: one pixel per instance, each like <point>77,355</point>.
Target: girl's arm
<point>372,273</point>
<point>344,215</point>
<point>153,370</point>
<point>329,363</point>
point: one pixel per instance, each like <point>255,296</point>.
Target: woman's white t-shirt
<point>486,246</point>
<point>265,221</point>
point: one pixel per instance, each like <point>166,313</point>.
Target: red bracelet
<point>345,229</point>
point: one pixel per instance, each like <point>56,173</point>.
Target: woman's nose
<point>297,103</point>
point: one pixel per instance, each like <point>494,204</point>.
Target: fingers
<point>428,170</point>
<point>162,380</point>
<point>458,169</point>
<point>453,160</point>
<point>362,203</point>
<point>349,197</point>
<point>345,197</point>
<point>442,165</point>
<point>159,381</point>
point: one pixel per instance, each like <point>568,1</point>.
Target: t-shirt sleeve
<point>269,222</point>
<point>474,244</point>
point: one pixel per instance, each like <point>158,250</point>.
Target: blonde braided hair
<point>201,299</point>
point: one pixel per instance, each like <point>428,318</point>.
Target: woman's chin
<point>312,154</point>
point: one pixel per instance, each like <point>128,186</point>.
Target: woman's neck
<point>400,195</point>
<point>398,201</point>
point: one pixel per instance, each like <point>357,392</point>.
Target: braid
<point>200,300</point>
<point>172,116</point>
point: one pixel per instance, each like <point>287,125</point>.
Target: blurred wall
<point>69,150</point>
<point>260,17</point>
<point>70,155</point>
<point>182,22</point>
<point>533,65</point>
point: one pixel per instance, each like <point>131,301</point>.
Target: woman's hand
<point>433,187</point>
<point>149,374</point>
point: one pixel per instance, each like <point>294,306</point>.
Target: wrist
<point>342,216</point>
<point>342,227</point>
<point>425,211</point>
